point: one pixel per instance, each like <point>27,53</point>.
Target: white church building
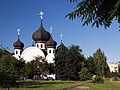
<point>43,45</point>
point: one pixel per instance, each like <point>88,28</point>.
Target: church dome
<point>41,35</point>
<point>51,43</point>
<point>18,44</point>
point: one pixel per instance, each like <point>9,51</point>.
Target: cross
<point>41,15</point>
<point>61,36</point>
<point>18,31</point>
<point>51,30</point>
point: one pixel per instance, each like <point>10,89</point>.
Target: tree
<point>85,74</point>
<point>51,68</point>
<point>9,69</point>
<point>97,12</point>
<point>101,66</point>
<point>75,62</point>
<point>60,62</point>
<point>91,65</point>
<point>36,68</point>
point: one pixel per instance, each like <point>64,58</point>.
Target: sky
<point>24,14</point>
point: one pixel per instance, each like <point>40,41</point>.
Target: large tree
<point>10,69</point>
<point>91,65</point>
<point>75,61</point>
<point>101,66</point>
<point>96,12</point>
<point>60,62</point>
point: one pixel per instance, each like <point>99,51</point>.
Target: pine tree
<point>75,62</point>
<point>91,65</point>
<point>60,62</point>
<point>100,63</point>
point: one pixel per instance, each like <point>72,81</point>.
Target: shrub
<point>98,79</point>
<point>84,74</point>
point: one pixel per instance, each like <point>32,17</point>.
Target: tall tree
<point>9,69</point>
<point>97,12</point>
<point>60,62</point>
<point>75,62</point>
<point>91,65</point>
<point>101,66</point>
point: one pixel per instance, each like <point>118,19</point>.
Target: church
<point>43,45</point>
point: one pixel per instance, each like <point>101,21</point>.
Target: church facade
<point>43,46</point>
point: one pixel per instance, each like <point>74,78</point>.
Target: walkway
<point>80,88</point>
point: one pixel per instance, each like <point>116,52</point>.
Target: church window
<point>49,51</point>
<point>37,45</point>
<point>16,52</point>
<point>20,52</point>
<point>53,51</point>
<point>41,46</point>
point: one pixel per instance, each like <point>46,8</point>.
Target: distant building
<point>113,67</point>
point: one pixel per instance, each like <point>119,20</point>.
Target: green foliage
<point>36,67</point>
<point>68,62</point>
<point>60,62</point>
<point>85,74</point>
<point>8,71</point>
<point>115,76</point>
<point>101,66</point>
<point>51,68</point>
<point>96,12</point>
<point>98,79</point>
<point>91,65</point>
<point>75,62</point>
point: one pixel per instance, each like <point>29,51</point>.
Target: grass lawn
<point>46,85</point>
<point>63,85</point>
<point>108,85</point>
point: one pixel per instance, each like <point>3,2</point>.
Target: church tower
<point>51,45</point>
<point>51,50</point>
<point>41,36</point>
<point>18,46</point>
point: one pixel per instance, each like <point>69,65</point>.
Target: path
<point>80,88</point>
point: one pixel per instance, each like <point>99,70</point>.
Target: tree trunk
<point>8,88</point>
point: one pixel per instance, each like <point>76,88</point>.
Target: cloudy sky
<point>24,14</point>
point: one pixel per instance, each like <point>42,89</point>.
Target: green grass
<point>108,85</point>
<point>63,85</point>
<point>46,85</point>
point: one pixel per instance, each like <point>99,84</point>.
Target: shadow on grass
<point>40,84</point>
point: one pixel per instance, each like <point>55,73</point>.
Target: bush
<point>84,74</point>
<point>98,79</point>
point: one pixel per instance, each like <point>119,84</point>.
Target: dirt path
<point>80,88</point>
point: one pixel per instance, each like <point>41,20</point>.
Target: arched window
<point>16,52</point>
<point>49,51</point>
<point>37,45</point>
<point>20,52</point>
<point>53,51</point>
<point>41,46</point>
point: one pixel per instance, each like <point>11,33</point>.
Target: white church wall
<point>17,52</point>
<point>51,51</point>
<point>31,52</point>
<point>40,45</point>
<point>50,58</point>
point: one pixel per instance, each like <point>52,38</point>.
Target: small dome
<point>41,35</point>
<point>51,43</point>
<point>18,44</point>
